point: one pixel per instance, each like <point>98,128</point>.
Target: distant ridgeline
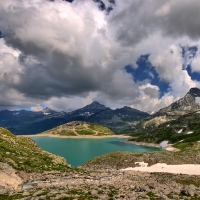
<point>178,123</point>
<point>29,122</point>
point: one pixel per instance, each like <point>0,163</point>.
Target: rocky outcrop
<point>9,179</point>
<point>111,184</point>
<point>181,107</point>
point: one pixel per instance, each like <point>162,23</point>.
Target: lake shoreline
<point>167,148</point>
<point>78,137</point>
<point>126,137</point>
<point>143,143</point>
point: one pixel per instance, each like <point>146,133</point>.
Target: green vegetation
<point>77,128</point>
<point>64,194</point>
<point>85,132</point>
<point>24,154</point>
<point>152,196</point>
<point>10,197</point>
<point>189,180</point>
<point>118,160</point>
<point>182,132</point>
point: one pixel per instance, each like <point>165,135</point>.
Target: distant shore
<point>142,143</point>
<point>78,136</point>
<point>167,148</point>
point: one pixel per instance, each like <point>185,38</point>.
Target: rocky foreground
<point>29,173</point>
<point>106,184</point>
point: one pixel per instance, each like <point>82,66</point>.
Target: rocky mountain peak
<point>195,92</point>
<point>47,111</point>
<point>184,105</point>
<point>127,108</point>
<point>95,104</point>
<point>91,108</point>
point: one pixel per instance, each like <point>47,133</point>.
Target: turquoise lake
<point>79,150</point>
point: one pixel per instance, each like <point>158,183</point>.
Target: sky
<point>66,54</point>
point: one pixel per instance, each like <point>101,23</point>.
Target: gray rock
<point>152,185</point>
<point>4,191</point>
<point>184,191</point>
<point>163,197</point>
<point>61,196</point>
<point>38,193</point>
<point>26,193</point>
<point>188,190</point>
<point>103,197</point>
<point>94,192</point>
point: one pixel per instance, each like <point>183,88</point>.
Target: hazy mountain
<point>29,122</point>
<point>118,120</point>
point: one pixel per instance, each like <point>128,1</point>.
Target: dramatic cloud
<point>64,55</point>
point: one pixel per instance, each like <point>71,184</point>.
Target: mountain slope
<point>118,120</point>
<point>183,106</point>
<point>22,153</point>
<point>183,131</point>
<point>78,128</point>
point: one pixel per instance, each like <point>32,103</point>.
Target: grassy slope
<point>22,153</point>
<point>79,128</point>
<point>169,131</point>
<point>117,160</point>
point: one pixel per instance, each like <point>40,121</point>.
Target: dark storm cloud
<point>57,60</point>
<point>141,18</point>
<point>182,19</point>
<point>73,49</point>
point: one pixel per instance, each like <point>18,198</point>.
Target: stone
<point>94,192</point>
<point>38,193</point>
<point>163,197</point>
<point>25,193</point>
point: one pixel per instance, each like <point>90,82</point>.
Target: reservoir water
<point>79,150</point>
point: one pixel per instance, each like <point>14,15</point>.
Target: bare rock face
<point>9,181</point>
<point>186,104</point>
<point>195,92</point>
<point>183,106</point>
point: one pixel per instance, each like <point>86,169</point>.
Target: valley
<point>31,173</point>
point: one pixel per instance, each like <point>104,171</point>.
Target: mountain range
<point>121,120</point>
<point>30,122</point>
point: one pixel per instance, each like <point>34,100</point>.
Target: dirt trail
<point>96,132</point>
<point>75,132</point>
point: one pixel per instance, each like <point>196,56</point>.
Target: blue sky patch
<point>188,53</point>
<point>145,71</point>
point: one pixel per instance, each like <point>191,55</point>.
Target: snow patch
<point>191,169</point>
<point>190,132</point>
<point>164,144</point>
<point>180,131</point>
